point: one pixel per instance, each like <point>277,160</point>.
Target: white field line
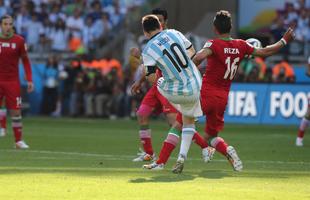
<point>130,157</point>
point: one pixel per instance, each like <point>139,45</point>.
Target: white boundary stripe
<point>130,157</point>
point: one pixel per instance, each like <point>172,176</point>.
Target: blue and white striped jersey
<point>168,51</point>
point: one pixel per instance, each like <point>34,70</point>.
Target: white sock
<point>187,136</point>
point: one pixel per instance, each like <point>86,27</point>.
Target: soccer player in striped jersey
<point>13,48</point>
<point>171,52</point>
<point>305,120</point>
<point>154,102</point>
<point>224,55</point>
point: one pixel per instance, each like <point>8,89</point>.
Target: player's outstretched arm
<point>201,55</point>
<point>274,48</point>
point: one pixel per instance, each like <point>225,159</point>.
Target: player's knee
<point>177,125</point>
<point>144,111</point>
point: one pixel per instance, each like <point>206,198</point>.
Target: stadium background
<point>90,156</point>
<point>120,29</point>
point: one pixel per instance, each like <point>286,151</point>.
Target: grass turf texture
<point>91,159</point>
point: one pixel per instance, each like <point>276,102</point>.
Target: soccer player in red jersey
<point>305,120</point>
<point>154,102</point>
<point>224,55</point>
<point>12,48</point>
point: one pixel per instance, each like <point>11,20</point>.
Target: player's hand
<point>135,88</point>
<point>135,52</point>
<point>289,35</point>
<point>30,86</point>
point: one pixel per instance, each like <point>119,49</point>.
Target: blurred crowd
<point>87,87</point>
<point>297,16</point>
<point>256,70</point>
<point>66,25</point>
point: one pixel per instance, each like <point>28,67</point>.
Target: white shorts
<point>188,105</point>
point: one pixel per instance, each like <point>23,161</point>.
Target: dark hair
<point>222,21</point>
<point>5,17</point>
<point>160,11</point>
<point>150,23</point>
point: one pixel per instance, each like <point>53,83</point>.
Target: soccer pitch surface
<point>91,159</point>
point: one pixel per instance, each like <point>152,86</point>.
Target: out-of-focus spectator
<point>33,37</point>
<point>103,95</point>
<point>22,19</point>
<point>89,92</point>
<point>252,70</point>
<point>283,72</point>
<point>42,12</point>
<point>116,13</point>
<point>59,35</point>
<point>75,24</point>
<point>96,10</point>
<point>103,26</point>
<point>50,89</point>
<point>56,13</point>
<point>89,33</point>
<point>290,13</point>
<point>3,8</point>
<point>278,29</point>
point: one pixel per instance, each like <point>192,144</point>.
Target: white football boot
<point>2,132</point>
<point>299,142</point>
<point>234,159</point>
<point>21,145</point>
<point>179,165</point>
<point>207,154</point>
<point>142,156</point>
<point>154,166</point>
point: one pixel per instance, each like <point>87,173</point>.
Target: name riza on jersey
<point>231,51</point>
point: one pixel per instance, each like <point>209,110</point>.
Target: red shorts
<point>213,105</point>
<point>154,99</point>
<point>11,92</point>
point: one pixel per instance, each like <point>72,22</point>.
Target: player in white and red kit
<point>224,55</point>
<point>305,121</point>
<point>13,48</point>
<point>154,102</point>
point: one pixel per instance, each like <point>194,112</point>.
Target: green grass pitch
<point>91,159</point>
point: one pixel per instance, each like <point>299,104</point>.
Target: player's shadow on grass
<point>185,176</point>
<point>164,178</point>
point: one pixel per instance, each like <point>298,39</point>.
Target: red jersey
<point>223,64</point>
<point>11,50</point>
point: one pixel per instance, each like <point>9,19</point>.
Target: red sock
<point>3,122</point>
<point>17,133</point>
<point>165,152</point>
<point>219,144</point>
<point>199,140</point>
<point>301,133</point>
<point>147,145</point>
<point>146,140</point>
<point>17,128</point>
<point>3,118</point>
